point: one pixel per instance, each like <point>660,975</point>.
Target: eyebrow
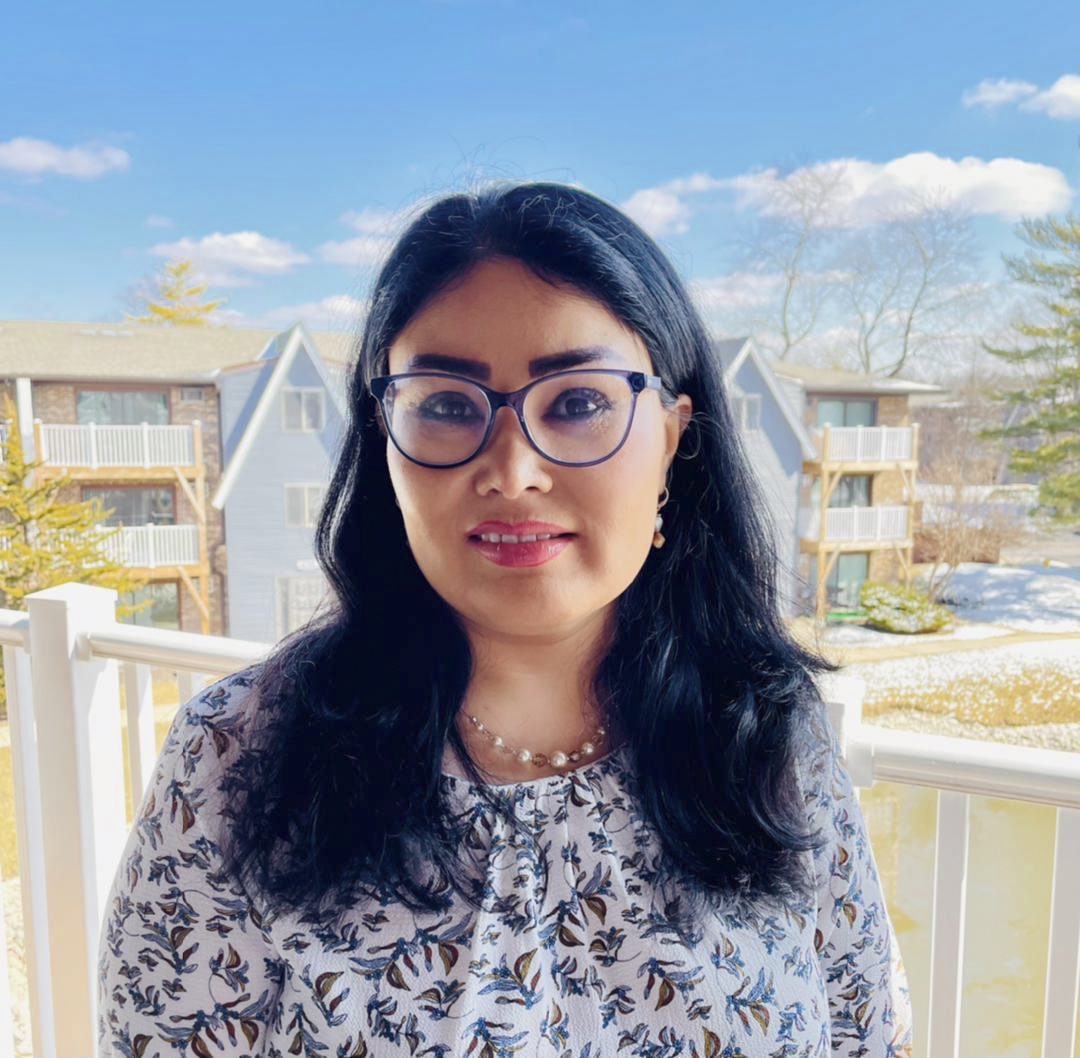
<point>480,369</point>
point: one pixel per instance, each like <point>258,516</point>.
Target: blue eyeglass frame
<point>638,382</point>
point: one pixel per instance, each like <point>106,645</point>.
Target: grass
<point>1038,693</point>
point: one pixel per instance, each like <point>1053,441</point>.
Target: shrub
<point>894,608</point>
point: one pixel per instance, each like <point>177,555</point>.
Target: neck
<point>536,693</point>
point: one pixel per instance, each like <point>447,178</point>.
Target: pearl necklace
<point>558,759</point>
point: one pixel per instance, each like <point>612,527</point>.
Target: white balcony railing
<point>96,446</point>
<point>154,545</point>
<point>65,658</point>
<point>884,522</point>
<point>865,444</point>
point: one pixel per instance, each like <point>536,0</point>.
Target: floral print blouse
<point>584,967</point>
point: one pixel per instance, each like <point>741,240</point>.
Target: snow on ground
<point>1016,683</point>
<point>990,600</point>
<point>1028,598</point>
<point>857,636</point>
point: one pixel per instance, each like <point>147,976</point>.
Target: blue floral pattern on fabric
<point>586,964</point>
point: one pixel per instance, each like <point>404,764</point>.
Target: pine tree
<point>45,541</point>
<point>1050,350</point>
<point>176,299</point>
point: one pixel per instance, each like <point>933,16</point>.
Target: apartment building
<point>858,499</point>
<point>130,413</point>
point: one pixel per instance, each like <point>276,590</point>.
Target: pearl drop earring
<point>658,539</point>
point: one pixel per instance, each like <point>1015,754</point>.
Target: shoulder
<point>823,779</point>
<point>209,732</point>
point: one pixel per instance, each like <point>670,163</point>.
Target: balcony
<point>66,659</point>
<point>115,451</point>
<point>865,526</point>
<point>868,447</point>
<point>154,546</point>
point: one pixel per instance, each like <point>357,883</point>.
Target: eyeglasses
<point>573,418</point>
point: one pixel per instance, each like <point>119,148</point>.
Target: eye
<point>581,403</point>
<point>448,406</point>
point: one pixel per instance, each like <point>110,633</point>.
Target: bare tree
<point>794,239</point>
<point>897,283</point>
<point>964,518</point>
<point>910,283</point>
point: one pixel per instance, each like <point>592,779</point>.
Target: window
<point>107,407</point>
<point>747,410</point>
<point>298,598</point>
<point>163,609</point>
<point>842,412</point>
<point>192,394</point>
<point>134,505</point>
<point>302,409</point>
<point>302,503</point>
<point>846,578</point>
<point>852,490</point>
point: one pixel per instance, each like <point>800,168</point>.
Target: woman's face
<point>500,317</point>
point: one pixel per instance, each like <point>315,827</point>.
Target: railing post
<point>92,434</point>
<point>82,794</point>
<point>843,695</point>
<point>146,444</point>
<point>28,834</point>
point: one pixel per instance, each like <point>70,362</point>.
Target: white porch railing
<point>883,522</point>
<point>96,446</point>
<point>64,661</point>
<point>865,444</point>
<point>154,545</point>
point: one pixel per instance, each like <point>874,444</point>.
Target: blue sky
<point>277,145</point>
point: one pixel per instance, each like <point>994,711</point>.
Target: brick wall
<point>54,402</point>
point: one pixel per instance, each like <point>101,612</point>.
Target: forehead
<point>506,316</point>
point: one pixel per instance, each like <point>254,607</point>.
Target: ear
<point>678,418</point>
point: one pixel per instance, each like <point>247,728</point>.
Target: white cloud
<point>1005,187</point>
<point>1060,100</point>
<point>990,93</point>
<point>156,220</point>
<point>663,210</point>
<point>339,312</point>
<point>737,290</point>
<point>362,252</point>
<point>38,158</point>
<point>377,230</point>
<point>372,221</point>
<point>223,259</point>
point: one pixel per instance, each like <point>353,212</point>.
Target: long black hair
<point>338,792</point>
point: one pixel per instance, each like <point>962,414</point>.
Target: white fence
<point>866,444</point>
<point>883,522</point>
<point>65,659</point>
<point>115,446</point>
<point>153,545</point>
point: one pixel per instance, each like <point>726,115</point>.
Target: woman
<point>552,777</point>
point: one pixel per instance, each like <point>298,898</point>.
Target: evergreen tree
<point>1049,351</point>
<point>45,541</point>
<point>176,299</point>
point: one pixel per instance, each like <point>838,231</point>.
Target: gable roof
<point>834,380</point>
<point>289,343</point>
<point>733,353</point>
<point>136,352</point>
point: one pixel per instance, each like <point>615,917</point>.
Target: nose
<point>509,462</point>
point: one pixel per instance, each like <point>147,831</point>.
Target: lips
<point>526,553</point>
<point>519,529</point>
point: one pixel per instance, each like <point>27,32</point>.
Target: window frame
<point>302,391</point>
<point>310,510</point>
<point>123,387</point>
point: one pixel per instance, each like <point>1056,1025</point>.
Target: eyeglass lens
<point>573,419</point>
